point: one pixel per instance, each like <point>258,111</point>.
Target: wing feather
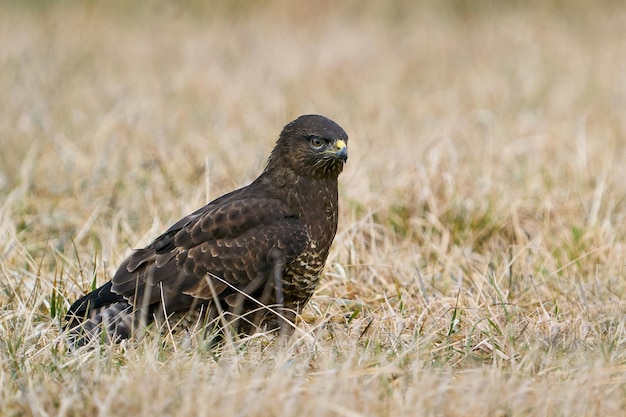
<point>230,238</point>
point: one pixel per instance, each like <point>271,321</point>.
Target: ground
<point>480,264</point>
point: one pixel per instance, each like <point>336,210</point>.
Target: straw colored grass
<point>479,267</point>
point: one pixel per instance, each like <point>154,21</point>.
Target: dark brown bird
<point>248,259</point>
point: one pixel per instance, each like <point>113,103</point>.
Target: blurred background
<point>473,124</point>
<point>479,264</point>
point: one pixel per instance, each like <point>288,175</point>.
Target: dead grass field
<point>480,263</point>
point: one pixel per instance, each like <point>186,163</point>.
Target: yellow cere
<point>340,144</point>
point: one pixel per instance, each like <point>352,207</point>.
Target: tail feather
<point>82,308</point>
<point>101,313</point>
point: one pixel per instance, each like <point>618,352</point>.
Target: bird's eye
<point>317,142</point>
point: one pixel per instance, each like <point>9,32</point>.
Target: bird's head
<point>312,146</point>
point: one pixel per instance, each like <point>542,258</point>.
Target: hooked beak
<point>341,150</point>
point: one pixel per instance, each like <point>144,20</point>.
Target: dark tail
<point>101,312</point>
<point>82,308</point>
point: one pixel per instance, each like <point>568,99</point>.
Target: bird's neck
<point>314,200</point>
<point>316,203</point>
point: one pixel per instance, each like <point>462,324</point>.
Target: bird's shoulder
<point>226,217</point>
<point>232,216</point>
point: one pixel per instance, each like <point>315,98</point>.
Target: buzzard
<point>248,259</point>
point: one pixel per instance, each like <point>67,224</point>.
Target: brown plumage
<point>248,254</point>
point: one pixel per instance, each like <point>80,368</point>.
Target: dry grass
<point>479,269</point>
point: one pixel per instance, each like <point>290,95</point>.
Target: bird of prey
<point>249,259</point>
